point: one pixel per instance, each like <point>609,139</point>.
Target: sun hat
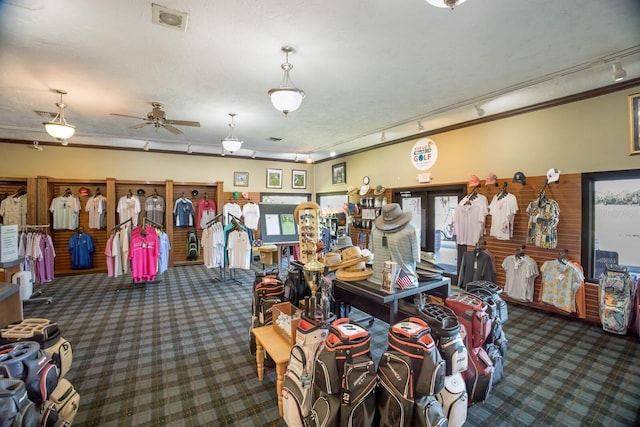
<point>392,218</point>
<point>491,179</point>
<point>380,189</point>
<point>352,257</point>
<point>428,262</point>
<point>352,189</point>
<point>304,206</point>
<point>474,181</point>
<point>519,177</point>
<point>331,259</point>
<point>364,190</point>
<point>553,175</point>
<point>353,276</point>
<point>342,242</point>
<point>84,191</point>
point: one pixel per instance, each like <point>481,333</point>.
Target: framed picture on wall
<point>339,173</point>
<point>241,179</point>
<point>274,178</point>
<point>298,179</point>
<point>634,123</point>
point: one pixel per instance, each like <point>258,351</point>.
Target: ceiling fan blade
<point>141,125</point>
<point>172,129</point>
<point>183,123</point>
<point>125,115</point>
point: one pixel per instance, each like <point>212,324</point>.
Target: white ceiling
<point>366,67</point>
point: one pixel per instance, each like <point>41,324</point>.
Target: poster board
<point>277,224</point>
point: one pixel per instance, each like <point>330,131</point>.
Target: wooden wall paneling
<point>43,216</point>
<point>10,186</point>
<point>241,201</point>
<point>179,238</point>
<point>168,216</point>
<point>61,237</point>
<point>568,195</point>
<point>354,232</point>
<point>32,200</point>
<point>110,194</point>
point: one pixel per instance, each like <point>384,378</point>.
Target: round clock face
<point>365,180</point>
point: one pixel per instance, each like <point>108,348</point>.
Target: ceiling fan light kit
<point>158,118</point>
<point>231,143</point>
<point>450,4</point>
<point>286,97</point>
<point>58,127</point>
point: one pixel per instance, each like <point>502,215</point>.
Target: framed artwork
<point>274,178</point>
<point>634,123</point>
<point>241,179</point>
<point>298,179</point>
<point>339,173</point>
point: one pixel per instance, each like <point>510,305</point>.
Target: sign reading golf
<point>424,154</point>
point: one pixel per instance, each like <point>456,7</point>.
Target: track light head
<point>619,73</point>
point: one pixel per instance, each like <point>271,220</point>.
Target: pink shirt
<point>111,260</point>
<point>143,253</point>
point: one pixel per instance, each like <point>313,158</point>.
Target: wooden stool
<point>270,341</point>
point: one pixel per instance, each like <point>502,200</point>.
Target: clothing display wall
<point>13,209</point>
<point>469,218</point>
<point>129,208</point>
<point>154,208</point>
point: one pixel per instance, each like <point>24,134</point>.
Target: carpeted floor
<point>176,353</point>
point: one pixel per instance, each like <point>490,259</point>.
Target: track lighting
<point>619,73</point>
<point>383,137</point>
<point>253,155</point>
<point>146,146</point>
<point>309,160</point>
<point>222,152</point>
<point>296,158</point>
<point>60,129</point>
<point>479,110</point>
<point>231,143</point>
<point>189,150</point>
<point>420,126</point>
<point>286,97</point>
<point>37,146</point>
<point>332,154</point>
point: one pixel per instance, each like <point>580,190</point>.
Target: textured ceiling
<point>365,66</point>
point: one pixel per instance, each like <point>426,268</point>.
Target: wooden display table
<point>270,341</point>
<point>9,269</point>
<point>368,297</point>
<point>10,304</point>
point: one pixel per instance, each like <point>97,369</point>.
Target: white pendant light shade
<point>231,143</point>
<point>286,97</point>
<point>58,127</point>
<point>450,4</point>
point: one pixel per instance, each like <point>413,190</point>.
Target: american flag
<point>404,280</point>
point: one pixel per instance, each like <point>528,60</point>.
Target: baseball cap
<point>474,181</point>
<point>553,175</point>
<point>491,179</point>
<point>519,178</point>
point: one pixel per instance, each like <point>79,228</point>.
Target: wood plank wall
<point>567,192</point>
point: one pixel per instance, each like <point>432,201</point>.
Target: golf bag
<point>15,407</point>
<point>453,399</point>
<point>345,375</point>
<point>62,406</point>
<point>617,292</point>
<point>266,293</point>
<point>297,390</point>
<point>295,287</point>
<point>475,329</point>
<point>193,245</point>
<point>445,330</point>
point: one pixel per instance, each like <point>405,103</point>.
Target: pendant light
<point>60,129</point>
<point>231,143</point>
<point>286,97</point>
<point>451,4</point>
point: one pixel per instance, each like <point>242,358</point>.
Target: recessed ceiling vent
<point>169,17</point>
<point>45,114</point>
<point>274,139</point>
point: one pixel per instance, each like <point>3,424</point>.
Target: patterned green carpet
<point>176,353</point>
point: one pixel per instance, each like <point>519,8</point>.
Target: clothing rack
<point>472,196</point>
<point>27,227</point>
<point>119,226</point>
<point>503,191</point>
<point>153,223</point>
<point>213,220</point>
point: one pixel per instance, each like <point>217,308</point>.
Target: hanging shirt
<point>206,212</point>
<point>116,252</point>
<point>231,208</point>
<point>251,215</point>
<point>143,253</point>
<point>521,272</point>
<point>154,207</point>
<point>468,219</point>
<point>544,215</point>
<point>97,208</point>
<point>108,251</point>
<point>81,248</point>
<point>129,208</point>
<point>65,212</point>
<point>184,213</point>
<point>14,210</point>
<point>503,211</point>
<point>560,285</point>
<point>475,265</point>
<point>165,247</point>
<point>239,248</point>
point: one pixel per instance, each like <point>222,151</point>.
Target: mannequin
<point>395,239</point>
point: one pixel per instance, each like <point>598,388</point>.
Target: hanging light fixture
<point>619,73</point>
<point>231,143</point>
<point>286,97</point>
<point>451,4</point>
<point>309,159</point>
<point>60,129</point>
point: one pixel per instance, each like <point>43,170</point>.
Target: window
<point>611,221</point>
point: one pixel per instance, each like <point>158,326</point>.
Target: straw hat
<point>380,189</point>
<point>352,257</point>
<point>351,190</point>
<point>353,276</point>
<point>303,206</point>
<point>392,218</point>
<point>332,259</point>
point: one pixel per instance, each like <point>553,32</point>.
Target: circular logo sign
<point>424,154</point>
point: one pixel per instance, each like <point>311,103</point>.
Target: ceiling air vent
<point>45,114</point>
<point>274,139</point>
<point>169,17</point>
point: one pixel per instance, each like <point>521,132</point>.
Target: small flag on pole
<point>404,280</point>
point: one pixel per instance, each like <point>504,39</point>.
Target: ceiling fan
<point>157,117</point>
